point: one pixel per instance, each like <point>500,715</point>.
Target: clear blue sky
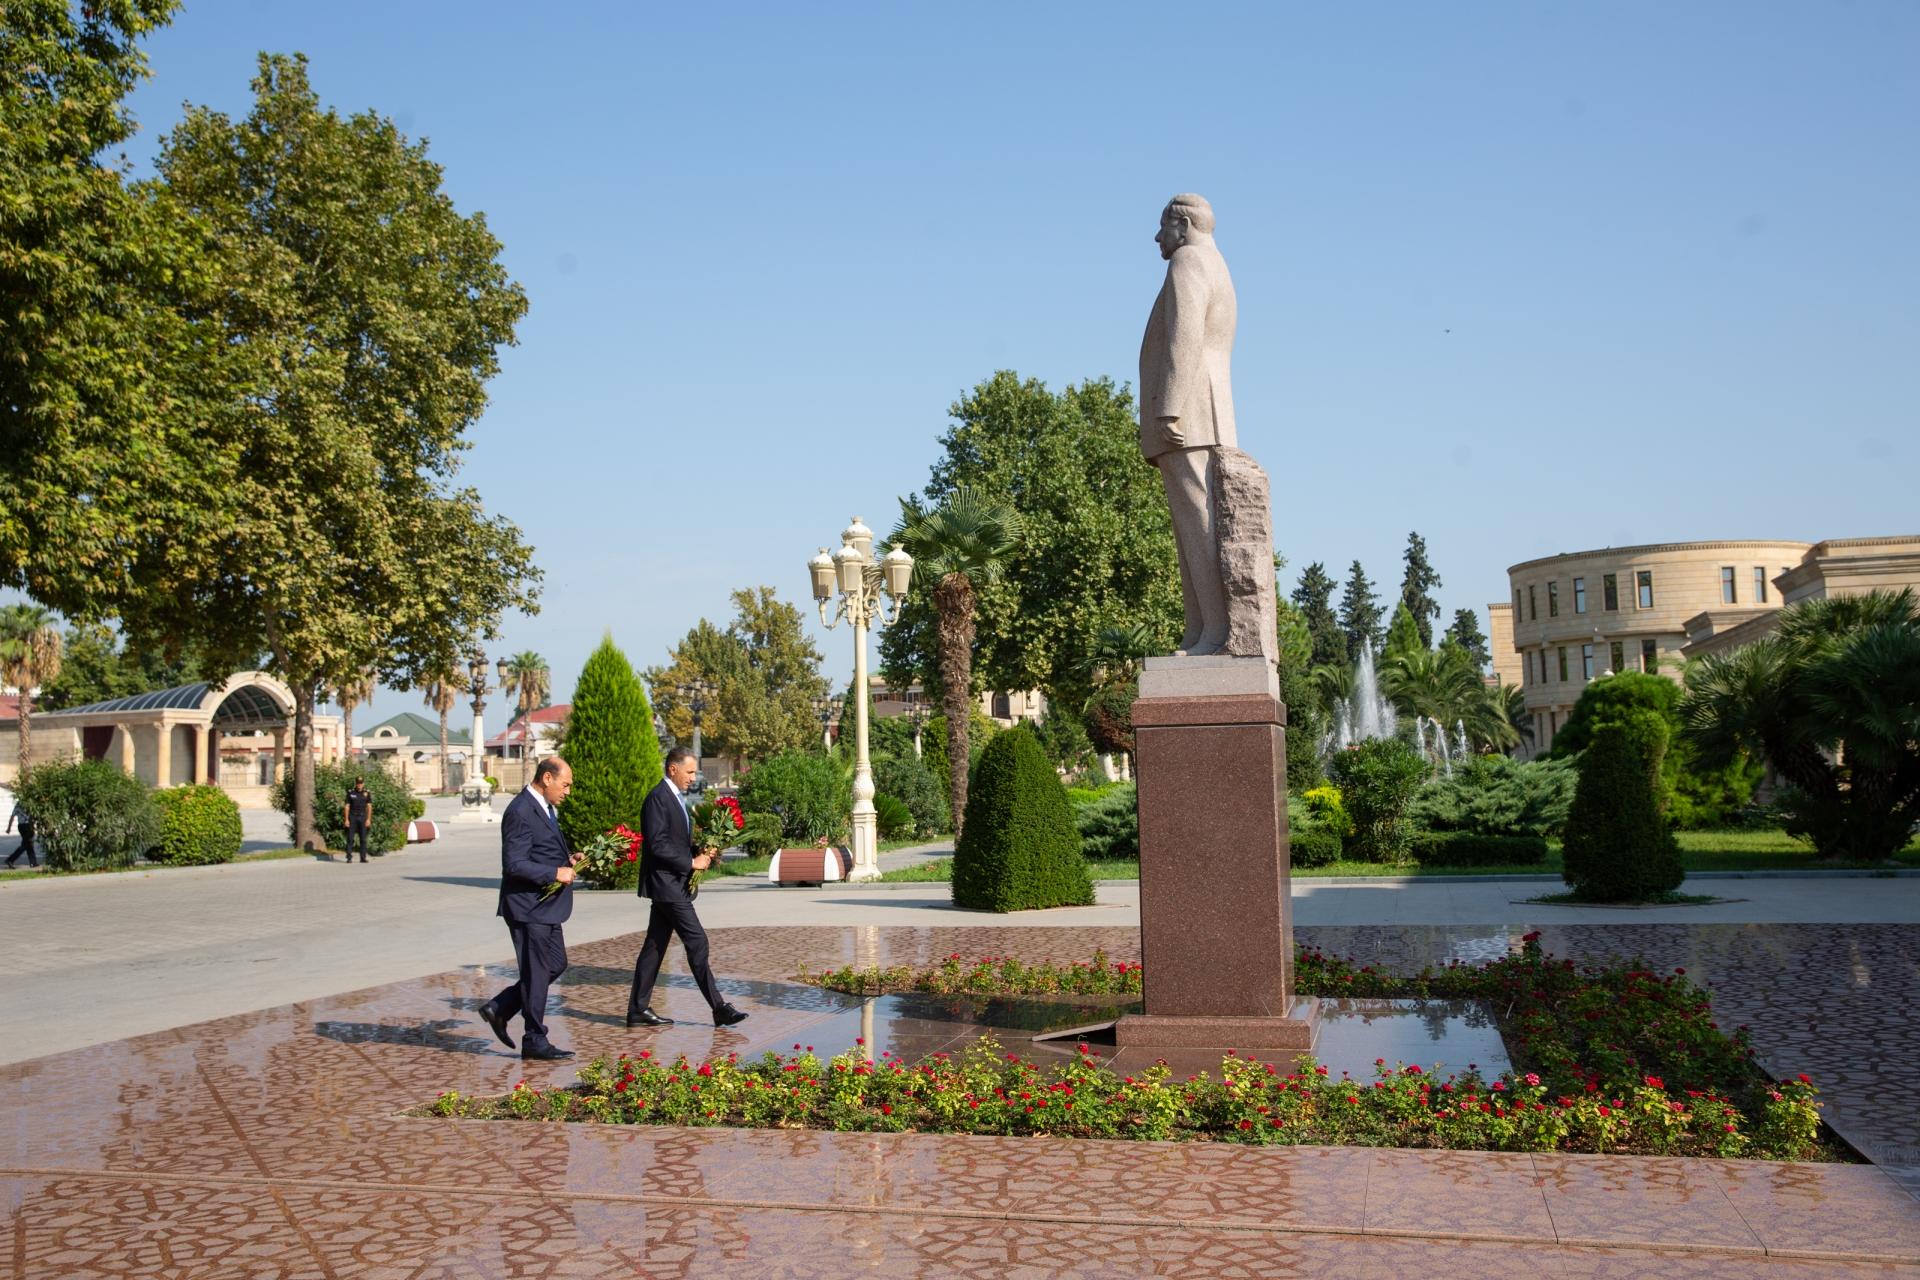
<point>1523,277</point>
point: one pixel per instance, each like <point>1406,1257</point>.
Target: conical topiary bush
<point>612,749</point>
<point>1019,849</point>
<point>1617,846</point>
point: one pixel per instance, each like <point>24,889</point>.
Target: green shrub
<point>893,818</point>
<point>611,748</point>
<point>1617,847</point>
<point>809,793</point>
<point>760,837</point>
<point>198,825</point>
<point>1472,849</point>
<point>416,808</point>
<point>1498,796</point>
<point>1378,779</point>
<point>1313,847</point>
<point>1327,809</point>
<point>1109,823</point>
<point>908,780</point>
<point>391,804</point>
<point>933,747</point>
<point>88,816</point>
<point>1078,795</point>
<point>1019,849</point>
<point>1690,794</point>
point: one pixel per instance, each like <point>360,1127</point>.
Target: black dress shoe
<point>544,1053</point>
<point>647,1018</point>
<point>726,1016</point>
<point>491,1016</point>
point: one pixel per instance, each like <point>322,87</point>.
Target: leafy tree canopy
<point>765,673</point>
<point>1417,585</point>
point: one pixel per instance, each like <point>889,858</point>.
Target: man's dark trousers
<point>357,829</point>
<point>532,851</point>
<point>666,862</point>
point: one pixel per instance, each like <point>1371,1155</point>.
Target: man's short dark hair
<point>679,754</point>
<point>548,768</point>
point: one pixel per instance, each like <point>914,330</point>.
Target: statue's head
<point>1185,217</point>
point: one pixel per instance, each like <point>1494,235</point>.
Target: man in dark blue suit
<point>667,862</point>
<point>533,855</point>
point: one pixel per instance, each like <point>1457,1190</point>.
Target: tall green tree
<point>765,673</point>
<point>1466,633</point>
<point>528,681</point>
<point>364,314</point>
<point>107,377</point>
<point>1098,544</point>
<point>1314,596</point>
<point>1403,634</point>
<point>1417,584</point>
<point>1360,613</point>
<point>443,689</point>
<point>1831,698</point>
<point>29,657</point>
<point>611,747</point>
<point>960,549</point>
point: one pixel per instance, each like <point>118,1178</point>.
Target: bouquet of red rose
<point>717,825</point>
<point>600,858</point>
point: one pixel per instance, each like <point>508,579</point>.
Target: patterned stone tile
<point>79,1228</point>
<point>1639,1264</point>
<point>1823,1209</point>
<point>1479,1194</point>
<point>1672,1200</point>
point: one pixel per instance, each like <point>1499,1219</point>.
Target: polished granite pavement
<point>270,1144</point>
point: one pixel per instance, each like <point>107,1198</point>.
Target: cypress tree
<point>1618,847</point>
<point>1019,848</point>
<point>611,747</point>
<point>1466,632</point>
<point>1314,595</point>
<point>1417,586</point>
<point>1360,613</point>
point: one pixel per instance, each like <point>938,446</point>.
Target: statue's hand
<point>1171,434</point>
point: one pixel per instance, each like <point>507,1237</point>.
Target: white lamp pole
<point>861,583</point>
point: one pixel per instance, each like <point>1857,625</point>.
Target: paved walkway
<point>267,1146</point>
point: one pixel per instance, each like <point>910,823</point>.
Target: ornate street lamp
<point>917,716</point>
<point>695,694</point>
<point>862,583</point>
<point>477,681</point>
<point>826,707</point>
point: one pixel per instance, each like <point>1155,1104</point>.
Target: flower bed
<point>1611,1059</point>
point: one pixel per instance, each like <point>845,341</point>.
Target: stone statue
<point>1221,526</point>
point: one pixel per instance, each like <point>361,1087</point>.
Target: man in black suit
<point>534,855</point>
<point>667,862</point>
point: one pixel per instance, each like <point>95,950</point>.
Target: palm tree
<point>528,682</point>
<point>957,548</point>
<point>1831,699</point>
<point>29,658</point>
<point>1513,705</point>
<point>1446,687</point>
<point>350,694</point>
<point>443,694</point>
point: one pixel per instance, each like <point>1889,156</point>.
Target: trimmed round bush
<point>1019,849</point>
<point>392,802</point>
<point>893,817</point>
<point>806,790</point>
<point>1109,823</point>
<point>1471,849</point>
<point>1313,848</point>
<point>1617,847</point>
<point>612,749</point>
<point>88,816</point>
<point>1378,779</point>
<point>199,826</point>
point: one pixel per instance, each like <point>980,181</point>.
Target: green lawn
<point>941,869</point>
<point>263,855</point>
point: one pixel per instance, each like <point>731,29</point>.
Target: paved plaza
<point>207,1071</point>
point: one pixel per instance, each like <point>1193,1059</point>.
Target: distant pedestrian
<point>356,814</point>
<point>25,820</point>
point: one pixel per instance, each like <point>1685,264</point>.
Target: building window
<point>1516,604</point>
<point>1563,663</point>
<point>1533,604</point>
<point>1728,593</point>
<point>1650,657</point>
<point>1618,652</point>
<point>1610,591</point>
<point>1586,662</point>
<point>1759,584</point>
<point>1643,584</point>
<point>1579,595</point>
<point>1553,599</point>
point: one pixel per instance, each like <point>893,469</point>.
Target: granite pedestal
<point>1216,911</point>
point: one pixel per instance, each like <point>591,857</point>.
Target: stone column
<point>163,757</point>
<point>1216,908</point>
<point>213,755</point>
<point>200,754</point>
<point>127,764</point>
<point>279,753</point>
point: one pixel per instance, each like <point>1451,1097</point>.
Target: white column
<point>866,823</point>
<point>163,758</point>
<point>200,753</point>
<point>279,753</point>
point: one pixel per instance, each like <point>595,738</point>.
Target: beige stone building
<point>1589,613</point>
<point>1506,661</point>
<point>1836,567</point>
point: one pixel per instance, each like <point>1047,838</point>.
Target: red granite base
<point>1295,1034</point>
